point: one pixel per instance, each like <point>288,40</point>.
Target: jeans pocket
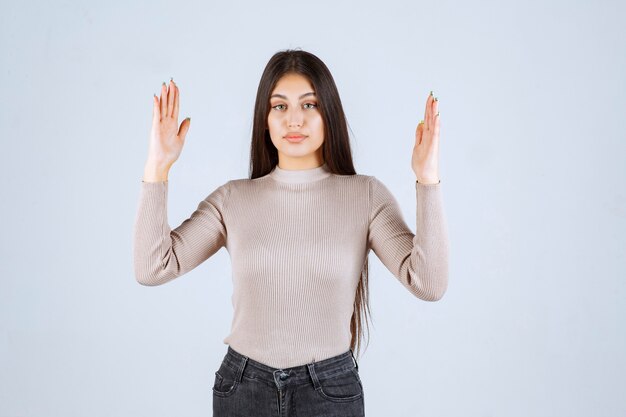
<point>341,387</point>
<point>225,383</point>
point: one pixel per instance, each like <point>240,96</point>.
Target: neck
<point>300,175</point>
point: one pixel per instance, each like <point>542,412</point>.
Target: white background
<point>532,162</point>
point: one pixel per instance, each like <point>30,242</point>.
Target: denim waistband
<point>296,375</point>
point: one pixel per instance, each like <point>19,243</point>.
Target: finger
<point>176,101</point>
<point>433,136</point>
<point>163,100</point>
<point>170,98</point>
<point>429,101</point>
<point>156,112</point>
<point>436,125</point>
<point>433,111</point>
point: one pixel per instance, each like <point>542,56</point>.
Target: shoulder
<point>365,184</point>
<point>375,185</point>
<point>355,179</point>
<point>247,183</point>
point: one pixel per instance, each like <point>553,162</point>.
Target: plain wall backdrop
<point>532,97</point>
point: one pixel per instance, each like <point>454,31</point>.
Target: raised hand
<point>425,159</point>
<point>166,137</point>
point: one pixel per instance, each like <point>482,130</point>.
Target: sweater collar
<point>300,175</point>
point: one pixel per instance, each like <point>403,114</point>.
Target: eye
<point>314,105</point>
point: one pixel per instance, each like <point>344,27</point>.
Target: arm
<point>419,261</point>
<point>161,254</point>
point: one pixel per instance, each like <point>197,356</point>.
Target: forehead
<point>292,85</point>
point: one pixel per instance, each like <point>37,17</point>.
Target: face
<point>294,111</point>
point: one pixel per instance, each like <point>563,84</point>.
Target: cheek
<point>271,120</point>
<point>273,125</point>
<point>317,123</point>
<point>317,129</point>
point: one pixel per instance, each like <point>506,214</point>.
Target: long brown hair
<point>336,151</point>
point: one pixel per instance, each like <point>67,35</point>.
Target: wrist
<point>428,181</point>
<point>154,172</point>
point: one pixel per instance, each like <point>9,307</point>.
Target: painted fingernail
<point>436,99</point>
<point>163,82</point>
<point>431,92</point>
<point>437,113</point>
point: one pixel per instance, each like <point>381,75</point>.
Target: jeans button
<point>283,376</point>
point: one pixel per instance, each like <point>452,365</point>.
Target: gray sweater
<point>297,241</point>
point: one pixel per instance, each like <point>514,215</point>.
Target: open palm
<point>166,137</point>
<point>425,158</point>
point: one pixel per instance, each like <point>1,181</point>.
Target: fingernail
<point>431,92</point>
<point>163,82</point>
<point>437,113</point>
<point>421,121</point>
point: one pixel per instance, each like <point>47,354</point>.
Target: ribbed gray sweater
<point>297,241</point>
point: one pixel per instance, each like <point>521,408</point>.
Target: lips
<point>295,138</point>
<point>294,135</point>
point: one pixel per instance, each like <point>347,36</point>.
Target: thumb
<point>184,128</point>
<point>418,132</point>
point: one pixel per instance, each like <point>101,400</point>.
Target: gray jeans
<point>247,388</point>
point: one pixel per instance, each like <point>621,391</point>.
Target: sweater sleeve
<point>161,254</point>
<point>419,261</point>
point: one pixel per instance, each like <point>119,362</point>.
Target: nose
<point>295,118</point>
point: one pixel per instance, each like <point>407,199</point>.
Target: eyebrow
<point>285,97</point>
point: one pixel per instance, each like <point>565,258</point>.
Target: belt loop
<point>355,362</point>
<point>244,361</point>
<point>316,382</point>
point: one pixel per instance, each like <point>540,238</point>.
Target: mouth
<point>295,139</point>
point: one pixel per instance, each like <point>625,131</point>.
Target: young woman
<point>298,233</point>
